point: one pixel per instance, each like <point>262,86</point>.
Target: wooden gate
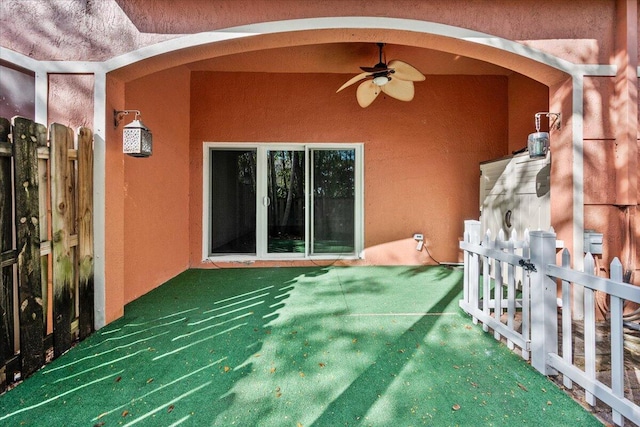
<point>46,243</point>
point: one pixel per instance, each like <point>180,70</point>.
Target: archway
<point>118,72</point>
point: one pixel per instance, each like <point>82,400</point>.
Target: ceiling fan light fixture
<point>378,79</point>
<point>381,80</point>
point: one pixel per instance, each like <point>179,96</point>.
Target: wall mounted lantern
<point>137,140</point>
<point>538,142</point>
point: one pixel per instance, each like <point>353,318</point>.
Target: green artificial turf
<point>325,346</point>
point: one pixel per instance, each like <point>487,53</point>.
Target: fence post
<point>544,311</point>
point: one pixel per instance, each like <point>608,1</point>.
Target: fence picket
<point>526,295</point>
<point>511,289</point>
<point>85,231</point>
<point>567,329</point>
<point>497,288</point>
<point>63,257</point>
<point>617,341</point>
<point>7,254</point>
<point>589,329</point>
<point>31,312</point>
<point>486,280</point>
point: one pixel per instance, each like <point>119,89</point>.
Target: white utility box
<point>593,242</point>
<point>514,194</point>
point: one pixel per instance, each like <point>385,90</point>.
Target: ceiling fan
<point>395,79</point>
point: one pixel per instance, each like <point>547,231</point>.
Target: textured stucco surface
<point>306,67</point>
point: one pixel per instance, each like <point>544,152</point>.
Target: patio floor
<point>325,346</point>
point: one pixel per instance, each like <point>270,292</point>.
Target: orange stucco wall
<point>156,190</point>
<point>421,158</point>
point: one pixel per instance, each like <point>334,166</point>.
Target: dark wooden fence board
<point>45,213</point>
<point>25,144</point>
<point>62,181</point>
<point>6,253</point>
<point>85,231</point>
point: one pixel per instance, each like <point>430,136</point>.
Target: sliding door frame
<point>261,193</point>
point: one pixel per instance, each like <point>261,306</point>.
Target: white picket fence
<point>510,286</point>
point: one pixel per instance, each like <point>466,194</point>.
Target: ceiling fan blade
<point>399,89</point>
<point>404,71</point>
<point>354,79</point>
<point>366,93</point>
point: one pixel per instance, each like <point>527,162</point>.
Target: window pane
<point>286,196</point>
<point>233,201</point>
<point>333,201</point>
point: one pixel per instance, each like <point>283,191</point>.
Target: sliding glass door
<point>282,201</point>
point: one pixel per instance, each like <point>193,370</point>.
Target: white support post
<point>544,312</point>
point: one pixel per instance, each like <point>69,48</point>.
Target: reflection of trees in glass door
<point>286,201</point>
<point>282,201</point>
<point>334,200</point>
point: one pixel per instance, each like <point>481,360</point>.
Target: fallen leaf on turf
<point>322,365</point>
<point>456,367</point>
<point>150,380</point>
<point>227,369</point>
<point>118,379</point>
<point>272,370</point>
<point>522,387</point>
<point>549,403</point>
<point>125,413</point>
<point>100,424</point>
<point>301,374</point>
<point>455,407</point>
<point>170,408</point>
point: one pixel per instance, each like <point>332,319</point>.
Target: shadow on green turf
<point>293,346</point>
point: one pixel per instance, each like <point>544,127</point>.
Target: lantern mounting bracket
<point>118,116</point>
<point>555,120</point>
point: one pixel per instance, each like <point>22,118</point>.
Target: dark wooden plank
<point>85,231</point>
<point>6,249</point>
<point>61,229</point>
<point>25,136</point>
